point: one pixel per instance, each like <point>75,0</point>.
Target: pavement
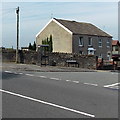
<point>30,91</point>
<point>36,68</point>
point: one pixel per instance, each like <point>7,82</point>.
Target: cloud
<point>33,16</point>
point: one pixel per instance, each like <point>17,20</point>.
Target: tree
<point>51,44</point>
<point>30,46</point>
<point>48,41</point>
<point>34,46</point>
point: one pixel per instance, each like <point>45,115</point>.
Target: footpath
<point>36,68</point>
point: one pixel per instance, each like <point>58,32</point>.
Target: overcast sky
<point>34,16</point>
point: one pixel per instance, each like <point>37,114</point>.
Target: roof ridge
<point>82,27</point>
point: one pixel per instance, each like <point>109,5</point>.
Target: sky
<point>35,15</point>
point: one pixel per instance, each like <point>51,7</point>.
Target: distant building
<point>25,48</point>
<point>76,37</point>
<point>116,50</point>
<point>2,48</point>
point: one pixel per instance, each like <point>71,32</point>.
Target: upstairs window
<point>80,41</point>
<point>89,41</point>
<point>108,43</point>
<point>100,43</point>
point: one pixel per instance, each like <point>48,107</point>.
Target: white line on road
<point>68,80</point>
<point>20,73</point>
<point>91,84</point>
<point>15,73</point>
<point>114,87</point>
<point>75,81</point>
<point>43,76</point>
<point>29,74</point>
<point>55,79</point>
<point>47,103</point>
<point>111,85</point>
<point>8,71</point>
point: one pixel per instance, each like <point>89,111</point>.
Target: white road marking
<point>111,85</point>
<point>91,84</point>
<point>68,80</point>
<point>55,78</point>
<point>8,71</point>
<point>20,73</point>
<point>114,73</point>
<point>29,74</point>
<point>43,76</point>
<point>47,103</point>
<point>15,73</point>
<point>114,86</point>
<point>75,81</point>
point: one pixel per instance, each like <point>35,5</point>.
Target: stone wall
<point>8,55</point>
<point>84,61</point>
<point>55,59</point>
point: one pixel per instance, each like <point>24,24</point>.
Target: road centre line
<point>15,73</point>
<point>29,74</point>
<point>55,78</point>
<point>68,80</point>
<point>75,81</point>
<point>90,84</point>
<point>8,71</point>
<point>20,73</point>
<point>47,103</point>
<point>110,86</point>
<point>43,76</point>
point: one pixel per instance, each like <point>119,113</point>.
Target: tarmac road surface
<point>30,94</point>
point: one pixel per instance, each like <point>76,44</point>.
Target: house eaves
<point>65,28</point>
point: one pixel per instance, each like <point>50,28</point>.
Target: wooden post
<point>17,12</point>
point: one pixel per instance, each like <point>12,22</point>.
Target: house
<point>116,52</point>
<point>115,47</point>
<point>76,37</point>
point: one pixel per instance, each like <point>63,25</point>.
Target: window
<point>108,43</point>
<point>81,41</point>
<point>108,55</point>
<point>100,43</point>
<point>116,48</point>
<point>89,41</point>
<point>91,51</point>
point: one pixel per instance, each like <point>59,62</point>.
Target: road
<point>31,94</point>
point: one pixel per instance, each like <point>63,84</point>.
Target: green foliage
<point>32,47</point>
<point>48,41</point>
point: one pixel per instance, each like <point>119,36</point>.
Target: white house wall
<point>61,37</point>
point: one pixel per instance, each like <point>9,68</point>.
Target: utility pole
<point>17,12</point>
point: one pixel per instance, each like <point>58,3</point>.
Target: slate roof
<point>82,28</point>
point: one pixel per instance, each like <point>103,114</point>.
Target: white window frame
<point>100,42</point>
<point>91,52</point>
<point>108,43</point>
<point>90,41</point>
<point>81,41</point>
